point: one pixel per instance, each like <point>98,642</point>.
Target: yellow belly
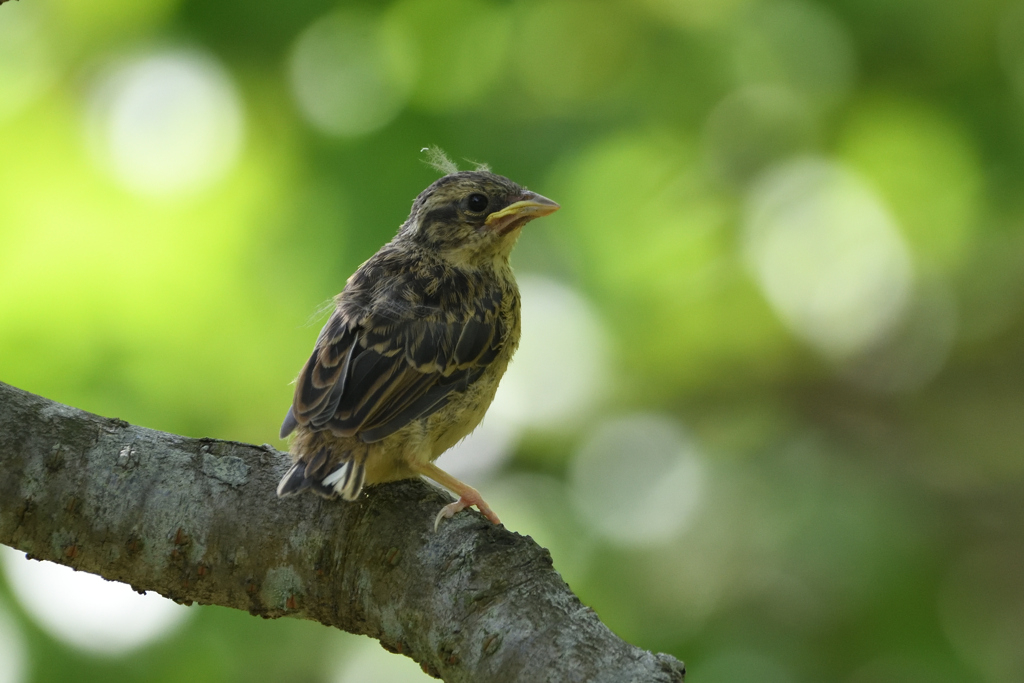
<point>425,440</point>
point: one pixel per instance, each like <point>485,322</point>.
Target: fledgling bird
<point>410,359</point>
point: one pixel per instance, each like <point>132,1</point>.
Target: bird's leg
<point>468,496</point>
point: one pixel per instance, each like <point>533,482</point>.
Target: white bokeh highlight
<point>368,662</point>
<point>827,255</point>
<point>167,123</point>
<point>86,611</point>
<point>561,371</point>
<point>638,480</point>
<point>13,659</point>
<point>347,79</point>
<point>481,453</point>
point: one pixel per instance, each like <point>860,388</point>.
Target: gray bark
<point>197,520</point>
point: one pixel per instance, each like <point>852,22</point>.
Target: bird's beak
<point>529,205</point>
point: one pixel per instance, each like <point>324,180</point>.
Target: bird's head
<point>473,217</point>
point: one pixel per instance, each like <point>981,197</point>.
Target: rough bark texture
<point>196,520</point>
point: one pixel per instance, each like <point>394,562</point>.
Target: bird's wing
<point>372,374</point>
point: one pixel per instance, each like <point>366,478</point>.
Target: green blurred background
<point>768,413</point>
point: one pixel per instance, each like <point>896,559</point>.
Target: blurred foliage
<point>860,514</point>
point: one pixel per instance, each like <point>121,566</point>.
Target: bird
<point>411,356</point>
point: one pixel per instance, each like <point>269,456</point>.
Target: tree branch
<point>196,520</point>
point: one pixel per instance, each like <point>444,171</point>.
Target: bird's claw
<point>449,510</point>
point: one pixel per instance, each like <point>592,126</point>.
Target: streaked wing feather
<point>432,400</point>
<point>373,376</point>
<point>321,384</point>
<point>404,393</point>
<point>475,337</point>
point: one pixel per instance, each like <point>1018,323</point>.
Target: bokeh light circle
<point>922,163</point>
<point>481,453</point>
<point>347,77</point>
<point>368,662</point>
<point>561,369</point>
<point>638,480</point>
<point>86,611</point>
<point>828,255</point>
<point>167,123</point>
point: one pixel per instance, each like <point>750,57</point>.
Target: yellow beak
<point>530,205</point>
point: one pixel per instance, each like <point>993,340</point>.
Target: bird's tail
<point>325,472</point>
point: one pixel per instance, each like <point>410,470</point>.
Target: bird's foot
<point>470,498</point>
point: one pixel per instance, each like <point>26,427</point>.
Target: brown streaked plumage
<point>411,357</point>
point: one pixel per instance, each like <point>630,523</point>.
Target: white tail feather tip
<point>338,476</point>
<point>285,479</point>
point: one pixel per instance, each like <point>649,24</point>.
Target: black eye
<point>476,203</point>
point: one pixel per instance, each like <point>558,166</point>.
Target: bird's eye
<point>476,202</point>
